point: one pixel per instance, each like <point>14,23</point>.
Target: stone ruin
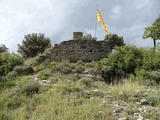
<point>77,49</point>
<point>77,35</point>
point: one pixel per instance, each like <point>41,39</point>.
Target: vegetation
<point>127,59</point>
<point>44,75</point>
<point>33,44</point>
<point>114,40</point>
<point>153,31</point>
<point>23,69</point>
<point>3,48</point>
<point>76,95</point>
<point>29,86</point>
<point>124,86</point>
<point>88,37</point>
<point>11,75</point>
<point>8,61</point>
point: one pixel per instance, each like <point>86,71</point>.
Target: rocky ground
<point>64,92</point>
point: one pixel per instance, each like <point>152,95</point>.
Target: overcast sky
<point>59,18</point>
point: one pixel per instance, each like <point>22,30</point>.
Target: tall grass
<point>126,89</point>
<point>55,106</point>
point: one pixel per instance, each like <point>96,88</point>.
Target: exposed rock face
<point>75,50</point>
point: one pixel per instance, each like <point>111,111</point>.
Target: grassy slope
<point>72,94</point>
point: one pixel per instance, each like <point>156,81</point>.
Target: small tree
<point>153,31</point>
<point>33,44</point>
<point>3,48</point>
<point>114,40</point>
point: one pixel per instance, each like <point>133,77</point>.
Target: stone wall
<point>75,50</point>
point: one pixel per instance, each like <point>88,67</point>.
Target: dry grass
<point>126,89</point>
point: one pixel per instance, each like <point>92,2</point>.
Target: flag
<point>99,18</point>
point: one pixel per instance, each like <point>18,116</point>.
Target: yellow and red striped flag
<point>99,18</point>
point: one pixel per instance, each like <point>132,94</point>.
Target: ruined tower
<point>77,35</point>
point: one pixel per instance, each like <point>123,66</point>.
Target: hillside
<point>76,91</point>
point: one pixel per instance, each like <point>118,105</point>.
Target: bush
<point>109,75</point>
<point>33,44</point>
<point>86,81</point>
<point>141,75</point>
<point>44,75</point>
<point>155,75</point>
<point>151,59</point>
<point>23,69</point>
<point>153,98</point>
<point>65,68</point>
<point>114,40</point>
<point>100,65</point>
<point>146,77</point>
<point>79,69</point>
<point>8,62</point>
<point>125,59</point>
<point>11,75</point>
<point>29,87</point>
<point>137,61</point>
<point>2,78</point>
<point>3,48</point>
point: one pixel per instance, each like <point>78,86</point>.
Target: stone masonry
<point>77,35</point>
<point>75,50</point>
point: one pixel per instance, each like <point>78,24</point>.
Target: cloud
<point>58,19</point>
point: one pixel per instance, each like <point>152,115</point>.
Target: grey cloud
<point>58,19</point>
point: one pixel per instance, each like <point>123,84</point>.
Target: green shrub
<point>146,77</point>
<point>40,67</point>
<point>10,102</point>
<point>153,97</point>
<point>29,87</point>
<point>86,81</point>
<point>11,75</point>
<point>3,48</point>
<point>80,62</point>
<point>125,59</point>
<point>33,44</point>
<point>100,65</point>
<point>141,76</point>
<point>51,64</point>
<point>65,68</point>
<point>79,69</point>
<point>114,40</point>
<point>151,59</point>
<point>44,75</point>
<point>23,69</point>
<point>8,61</point>
<point>7,84</point>
<point>2,78</point>
<point>109,75</point>
<point>155,75</point>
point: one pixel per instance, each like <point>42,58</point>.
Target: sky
<point>58,19</point>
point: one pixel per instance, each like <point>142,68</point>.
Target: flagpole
<point>95,28</point>
<point>96,22</point>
